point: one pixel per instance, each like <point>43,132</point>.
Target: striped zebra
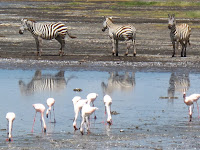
<point>179,34</point>
<point>120,33</point>
<point>47,31</point>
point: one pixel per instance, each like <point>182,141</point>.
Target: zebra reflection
<point>44,82</point>
<point>119,82</point>
<point>179,82</point>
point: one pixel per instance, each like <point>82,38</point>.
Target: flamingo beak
<point>47,115</point>
<point>45,130</point>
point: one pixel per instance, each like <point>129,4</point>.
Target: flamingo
<point>50,103</point>
<point>78,104</point>
<point>189,101</point>
<point>91,98</point>
<point>10,116</point>
<point>107,102</point>
<point>87,110</point>
<point>39,108</point>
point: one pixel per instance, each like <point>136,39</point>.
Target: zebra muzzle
<point>104,29</point>
<point>21,32</point>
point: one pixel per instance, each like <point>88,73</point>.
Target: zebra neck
<point>109,23</point>
<point>173,29</point>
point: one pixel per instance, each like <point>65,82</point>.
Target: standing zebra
<point>47,31</point>
<point>178,34</point>
<point>120,33</point>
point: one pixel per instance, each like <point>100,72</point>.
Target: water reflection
<point>178,82</point>
<point>124,82</point>
<point>44,82</point>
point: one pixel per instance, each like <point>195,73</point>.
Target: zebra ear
<point>173,15</point>
<point>169,15</point>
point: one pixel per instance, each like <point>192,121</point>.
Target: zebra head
<point>25,25</point>
<point>171,21</point>
<point>105,23</point>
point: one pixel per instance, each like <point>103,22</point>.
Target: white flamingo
<point>87,110</point>
<point>91,98</point>
<point>78,104</point>
<point>107,102</point>
<point>189,101</point>
<point>10,116</point>
<point>50,103</point>
<point>39,108</point>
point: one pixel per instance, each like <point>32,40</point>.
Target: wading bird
<point>91,98</point>
<point>50,103</point>
<point>78,104</point>
<point>107,102</point>
<point>189,101</point>
<point>39,108</point>
<point>10,116</point>
<point>87,110</point>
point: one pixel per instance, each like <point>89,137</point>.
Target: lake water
<point>147,118</point>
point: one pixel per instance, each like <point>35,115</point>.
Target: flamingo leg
<point>198,110</point>
<point>54,115</point>
<point>33,122</point>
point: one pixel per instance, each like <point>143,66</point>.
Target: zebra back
<point>183,31</point>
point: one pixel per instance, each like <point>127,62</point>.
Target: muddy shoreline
<point>92,46</point>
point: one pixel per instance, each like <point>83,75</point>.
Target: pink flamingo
<point>10,116</point>
<point>91,98</point>
<point>39,108</point>
<point>189,101</point>
<point>50,103</point>
<point>107,102</point>
<point>78,104</point>
<point>87,110</point>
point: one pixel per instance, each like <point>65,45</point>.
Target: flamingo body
<point>78,104</point>
<point>39,108</point>
<point>107,102</point>
<point>91,97</point>
<point>50,104</point>
<point>87,110</point>
<point>189,101</point>
<point>10,116</point>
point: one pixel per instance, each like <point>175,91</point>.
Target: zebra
<point>120,33</point>
<point>47,31</point>
<point>179,34</point>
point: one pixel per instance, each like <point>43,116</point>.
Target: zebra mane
<point>110,18</point>
<point>29,19</point>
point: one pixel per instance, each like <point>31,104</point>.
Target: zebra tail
<point>71,36</point>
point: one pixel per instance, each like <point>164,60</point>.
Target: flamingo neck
<point>108,112</point>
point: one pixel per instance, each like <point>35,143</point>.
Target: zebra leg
<point>61,40</point>
<point>38,41</point>
<point>183,48</point>
<point>174,48</point>
<point>116,47</point>
<point>113,46</point>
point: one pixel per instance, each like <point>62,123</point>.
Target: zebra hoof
<point>134,55</point>
<point>125,54</point>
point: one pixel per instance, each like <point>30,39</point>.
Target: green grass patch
<point>157,3</point>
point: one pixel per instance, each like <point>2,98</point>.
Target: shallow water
<point>147,118</point>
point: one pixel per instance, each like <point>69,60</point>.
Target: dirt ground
<point>154,48</point>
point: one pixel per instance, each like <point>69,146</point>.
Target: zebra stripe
<point>179,34</point>
<point>120,33</point>
<point>47,31</point>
